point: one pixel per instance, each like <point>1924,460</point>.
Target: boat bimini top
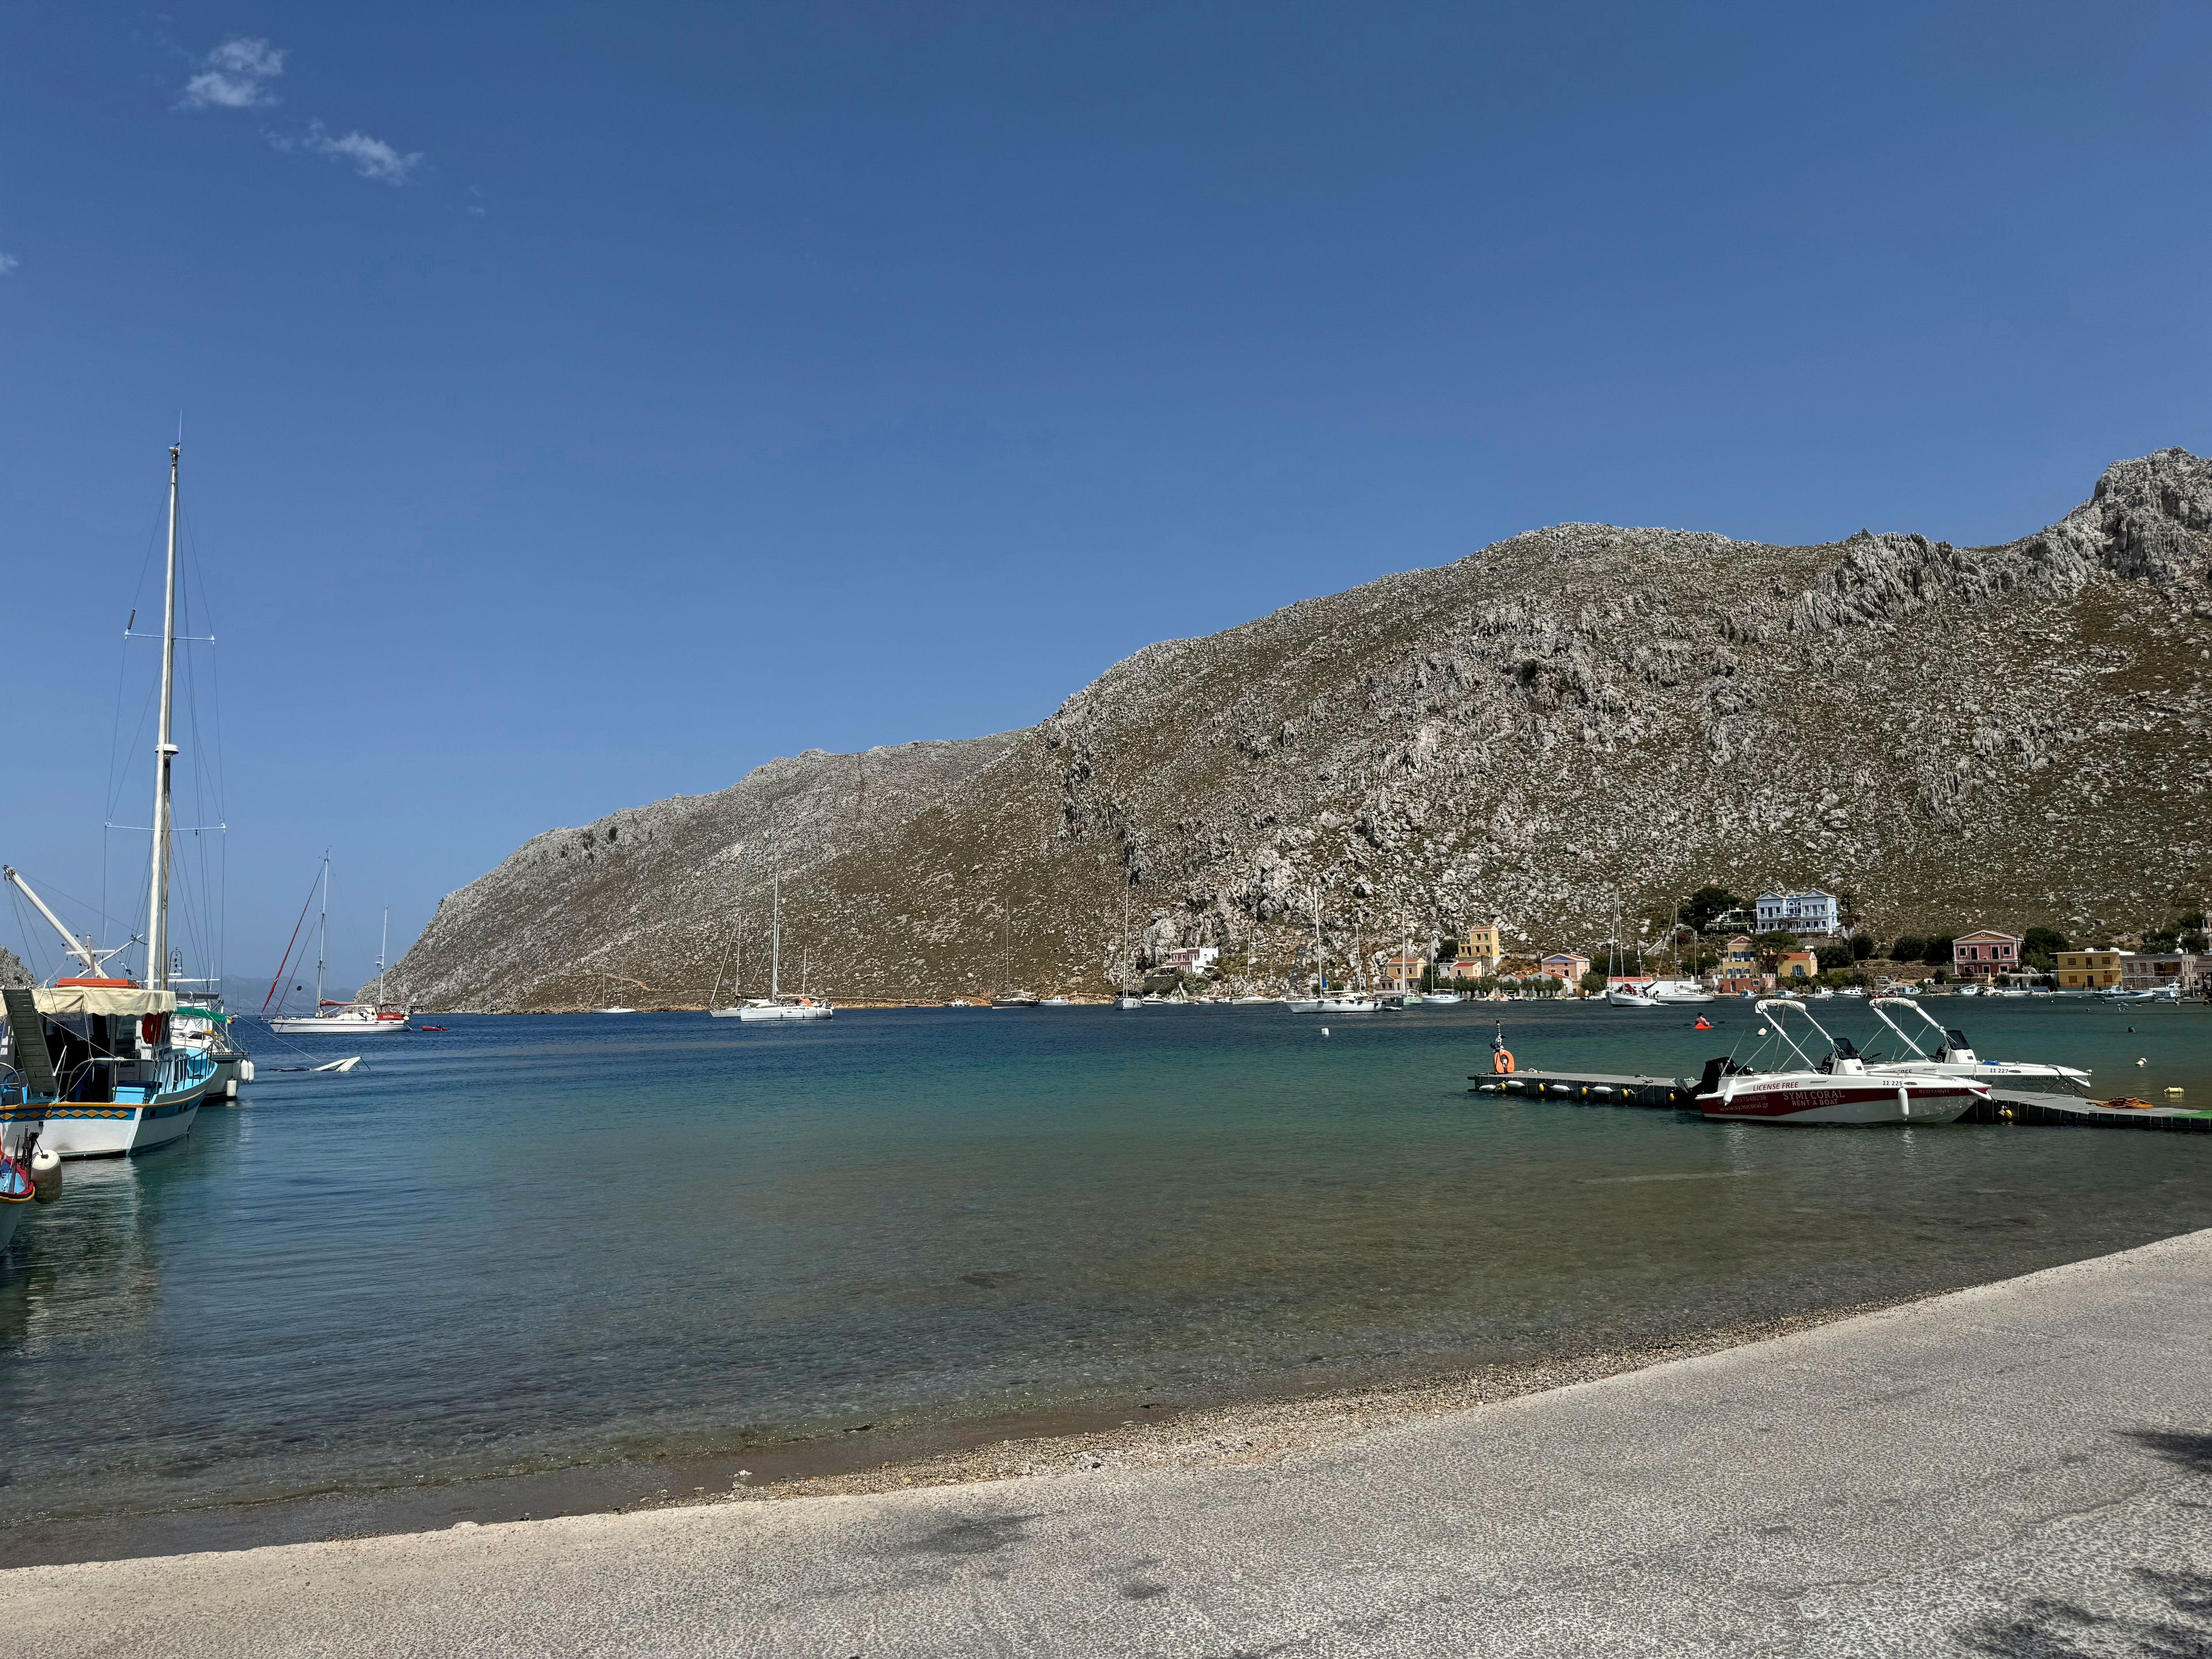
<point>1842,1057</point>
<point>1955,1056</point>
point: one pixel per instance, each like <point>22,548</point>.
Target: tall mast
<point>323,936</point>
<point>383,949</point>
<point>775,943</point>
<point>1321,967</point>
<point>157,900</point>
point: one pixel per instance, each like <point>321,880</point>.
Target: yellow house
<point>1740,955</point>
<point>1482,942</point>
<point>2091,971</point>
<point>1796,964</point>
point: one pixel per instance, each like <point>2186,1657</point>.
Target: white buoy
<point>46,1174</point>
<point>1324,1031</point>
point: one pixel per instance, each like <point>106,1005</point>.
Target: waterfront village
<point>1730,946</point>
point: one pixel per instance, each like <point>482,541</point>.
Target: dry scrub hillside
<point>1958,735</point>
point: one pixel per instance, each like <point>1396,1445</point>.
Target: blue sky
<point>584,405</point>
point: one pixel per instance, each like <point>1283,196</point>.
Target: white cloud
<point>8,263</point>
<point>371,158</point>
<point>237,75</point>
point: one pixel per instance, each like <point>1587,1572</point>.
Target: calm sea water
<point>537,1242</point>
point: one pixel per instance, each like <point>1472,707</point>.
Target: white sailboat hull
<point>1629,1000</point>
<point>311,1025</point>
<point>1331,1005</point>
<point>776,1012</point>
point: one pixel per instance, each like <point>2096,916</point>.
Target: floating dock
<point>2004,1105</point>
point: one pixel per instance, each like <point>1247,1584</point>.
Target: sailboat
<point>774,1005</point>
<point>95,1055</point>
<point>1128,999</point>
<point>332,1018</point>
<point>1341,1002</point>
<point>1618,993</point>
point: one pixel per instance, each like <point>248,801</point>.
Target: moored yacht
<point>362,1016</point>
<point>776,1007</point>
<point>94,1054</point>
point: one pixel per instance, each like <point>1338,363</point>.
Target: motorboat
<point>1673,993</point>
<point>1839,1087</point>
<point>1954,1056</point>
<point>1442,998</point>
<point>1328,1003</point>
<point>1629,996</point>
<point>616,1010</point>
<point>1057,1002</point>
<point>1016,1000</point>
<point>1126,999</point>
<point>2154,993</point>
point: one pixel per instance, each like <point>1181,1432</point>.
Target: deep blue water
<point>532,1242</point>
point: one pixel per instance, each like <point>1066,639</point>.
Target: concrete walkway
<point>2021,1469</point>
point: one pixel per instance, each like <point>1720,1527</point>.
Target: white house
<point>1192,958</point>
<point>1809,912</point>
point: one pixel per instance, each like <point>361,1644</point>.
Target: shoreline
<point>1258,1426</point>
<point>1853,1485</point>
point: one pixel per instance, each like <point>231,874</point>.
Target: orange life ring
<point>1501,1061</point>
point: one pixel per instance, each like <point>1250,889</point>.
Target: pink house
<point>1564,966</point>
<point>1985,953</point>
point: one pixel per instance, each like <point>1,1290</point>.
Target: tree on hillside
<point>2039,948</point>
<point>1833,958</point>
<point>1907,948</point>
<point>1708,903</point>
<point>1937,952</point>
<point>1862,946</point>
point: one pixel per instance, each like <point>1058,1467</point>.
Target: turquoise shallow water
<point>536,1242</point>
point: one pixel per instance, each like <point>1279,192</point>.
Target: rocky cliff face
<point>12,971</point>
<point>641,908</point>
<point>1958,736</point>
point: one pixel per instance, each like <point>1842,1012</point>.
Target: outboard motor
<point>1715,1068</point>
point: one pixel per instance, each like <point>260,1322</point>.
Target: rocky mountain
<point>12,971</point>
<point>1958,736</point>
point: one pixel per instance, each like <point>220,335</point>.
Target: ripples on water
<point>539,1241</point>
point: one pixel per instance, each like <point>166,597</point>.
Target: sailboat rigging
<point>94,1059</point>
<point>776,1006</point>
<point>332,1018</point>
